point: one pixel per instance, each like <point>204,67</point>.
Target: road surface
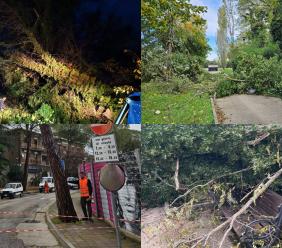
<point>249,109</point>
<point>22,210</point>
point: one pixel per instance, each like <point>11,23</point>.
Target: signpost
<point>105,150</point>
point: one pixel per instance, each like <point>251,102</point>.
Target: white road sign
<point>105,149</point>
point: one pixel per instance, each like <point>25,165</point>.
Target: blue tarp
<point>134,113</point>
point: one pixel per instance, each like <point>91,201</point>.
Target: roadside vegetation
<point>174,48</point>
<point>175,52</point>
<point>255,55</point>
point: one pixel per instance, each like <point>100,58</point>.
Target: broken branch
<point>208,183</point>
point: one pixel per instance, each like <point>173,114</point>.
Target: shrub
<point>157,64</point>
<point>257,72</point>
<point>185,66</point>
<point>228,87</point>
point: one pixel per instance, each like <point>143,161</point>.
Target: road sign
<point>101,129</point>
<point>105,149</point>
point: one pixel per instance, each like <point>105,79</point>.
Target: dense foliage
<point>256,54</point>
<point>58,67</point>
<point>173,40</point>
<point>204,153</point>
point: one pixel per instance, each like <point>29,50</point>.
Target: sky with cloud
<point>211,17</point>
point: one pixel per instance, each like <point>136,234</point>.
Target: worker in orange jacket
<point>46,187</point>
<point>85,195</point>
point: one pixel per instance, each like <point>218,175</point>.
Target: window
<point>44,159</point>
<point>35,142</point>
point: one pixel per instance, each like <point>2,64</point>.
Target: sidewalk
<point>86,234</point>
<point>43,237</point>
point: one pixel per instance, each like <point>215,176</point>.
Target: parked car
<point>73,182</point>
<point>12,190</point>
<point>50,181</point>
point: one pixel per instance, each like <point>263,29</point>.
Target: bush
<point>185,66</point>
<point>157,64</point>
<point>227,88</point>
<point>268,51</point>
<point>257,71</point>
<point>260,73</point>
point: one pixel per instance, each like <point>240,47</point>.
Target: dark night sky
<point>102,28</point>
<point>128,10</point>
<point>127,13</point>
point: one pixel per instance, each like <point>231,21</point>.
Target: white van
<point>12,190</point>
<point>50,181</point>
<point>73,182</point>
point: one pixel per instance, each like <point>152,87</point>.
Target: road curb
<point>54,230</point>
<point>214,110</point>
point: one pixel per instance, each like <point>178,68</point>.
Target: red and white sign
<point>101,129</point>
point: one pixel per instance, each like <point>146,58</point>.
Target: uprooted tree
<point>186,164</point>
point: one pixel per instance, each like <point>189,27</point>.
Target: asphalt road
<point>24,209</point>
<point>250,109</point>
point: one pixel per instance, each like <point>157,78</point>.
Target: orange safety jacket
<point>83,184</point>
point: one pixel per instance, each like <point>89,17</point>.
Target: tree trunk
<point>63,197</point>
<point>28,136</point>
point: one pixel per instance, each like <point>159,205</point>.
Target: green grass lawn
<point>193,106</point>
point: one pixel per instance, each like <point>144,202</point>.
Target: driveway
<point>249,109</point>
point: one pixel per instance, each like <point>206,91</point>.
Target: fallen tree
<point>33,76</point>
<point>233,166</point>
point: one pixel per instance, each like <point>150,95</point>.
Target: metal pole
<point>114,197</point>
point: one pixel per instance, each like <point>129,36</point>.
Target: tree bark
<point>28,135</point>
<point>176,175</point>
<point>65,206</point>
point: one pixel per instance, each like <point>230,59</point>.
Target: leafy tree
<point>162,18</point>
<point>276,24</point>
<point>168,28</point>
<point>231,12</point>
<point>255,18</point>
<point>127,140</point>
<point>204,153</point>
<point>222,40</point>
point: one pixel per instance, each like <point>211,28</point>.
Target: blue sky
<point>211,17</point>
